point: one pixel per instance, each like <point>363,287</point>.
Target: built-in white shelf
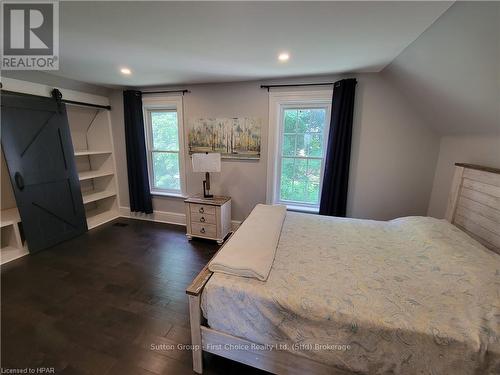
<point>10,253</point>
<point>94,196</point>
<point>87,175</point>
<point>100,216</point>
<point>9,217</point>
<point>12,245</point>
<point>92,152</point>
<point>95,161</point>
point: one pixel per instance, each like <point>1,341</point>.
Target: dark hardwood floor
<point>109,302</point>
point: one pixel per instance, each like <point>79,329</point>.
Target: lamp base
<point>206,190</point>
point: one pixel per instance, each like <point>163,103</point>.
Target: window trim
<point>167,103</point>
<point>278,101</point>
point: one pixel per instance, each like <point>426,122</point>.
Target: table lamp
<point>206,162</point>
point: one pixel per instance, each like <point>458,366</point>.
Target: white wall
<point>393,156</point>
<point>393,152</point>
<point>244,181</point>
<point>451,77</point>
<point>482,150</point>
<point>118,131</point>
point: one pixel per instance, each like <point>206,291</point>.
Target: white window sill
<point>169,195</point>
<point>309,210</point>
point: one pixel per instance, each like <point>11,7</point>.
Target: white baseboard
<point>164,217</point>
<point>158,216</point>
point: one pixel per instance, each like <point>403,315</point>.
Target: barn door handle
<point>19,181</point>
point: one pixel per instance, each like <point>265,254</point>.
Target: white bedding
<point>413,296</point>
<point>246,254</point>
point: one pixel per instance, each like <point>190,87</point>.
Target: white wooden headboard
<point>474,203</point>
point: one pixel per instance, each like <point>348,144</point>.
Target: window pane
<point>165,131</point>
<point>166,170</point>
<point>290,120</point>
<point>301,145</point>
<point>316,120</point>
<point>315,145</point>
<point>300,180</point>
<point>286,185</point>
<point>304,117</point>
<point>289,145</point>
<point>313,176</point>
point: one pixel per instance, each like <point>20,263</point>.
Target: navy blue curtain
<point>137,165</point>
<point>338,153</point>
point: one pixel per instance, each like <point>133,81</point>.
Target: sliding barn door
<point>37,145</point>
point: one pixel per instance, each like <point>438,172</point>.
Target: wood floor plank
<point>98,304</point>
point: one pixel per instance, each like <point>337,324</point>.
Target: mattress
<point>413,295</point>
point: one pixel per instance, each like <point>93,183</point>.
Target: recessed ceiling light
<point>283,56</point>
<point>125,71</point>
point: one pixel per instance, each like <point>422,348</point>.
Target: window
<point>301,124</point>
<point>163,123</point>
<point>301,155</point>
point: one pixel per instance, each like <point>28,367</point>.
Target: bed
<point>411,295</point>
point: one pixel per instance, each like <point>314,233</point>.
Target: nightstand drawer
<point>208,230</point>
<point>203,218</point>
<point>202,209</point>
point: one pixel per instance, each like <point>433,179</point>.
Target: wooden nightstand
<point>208,217</point>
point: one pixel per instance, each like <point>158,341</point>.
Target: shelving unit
<point>12,243</point>
<point>91,152</point>
<point>93,145</point>
<point>97,195</point>
<point>88,175</point>
<point>101,212</point>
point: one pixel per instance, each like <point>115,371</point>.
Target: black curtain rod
<point>166,92</point>
<point>297,85</point>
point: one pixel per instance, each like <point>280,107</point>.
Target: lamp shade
<point>206,162</point>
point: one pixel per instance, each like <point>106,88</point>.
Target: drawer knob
<point>201,210</point>
<point>202,230</point>
<point>202,219</point>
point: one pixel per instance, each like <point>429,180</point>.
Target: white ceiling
<point>192,42</point>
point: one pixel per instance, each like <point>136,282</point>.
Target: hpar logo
<point>30,35</point>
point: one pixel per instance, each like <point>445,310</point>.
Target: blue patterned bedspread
<point>414,295</point>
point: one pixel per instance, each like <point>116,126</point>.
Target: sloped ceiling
<point>172,42</point>
<point>451,73</point>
